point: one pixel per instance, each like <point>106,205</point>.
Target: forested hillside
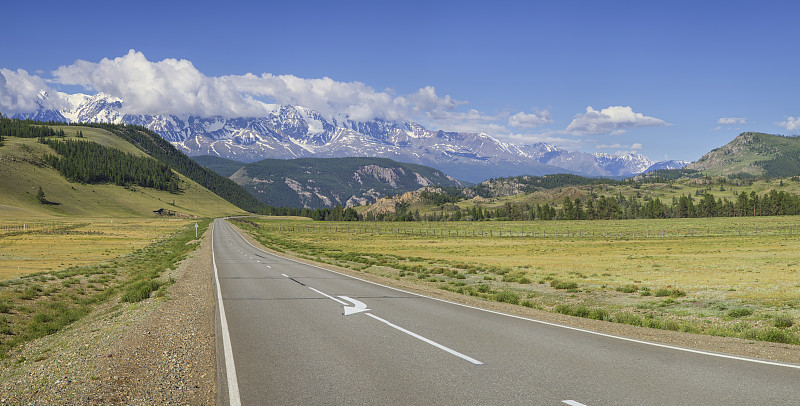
<point>25,129</point>
<point>596,200</point>
<point>162,150</point>
<point>756,154</point>
<point>89,162</point>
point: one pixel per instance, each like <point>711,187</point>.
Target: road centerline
<point>390,324</point>
<point>427,340</point>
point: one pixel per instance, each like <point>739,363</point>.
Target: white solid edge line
<point>230,368</point>
<point>633,340</point>
<point>429,341</point>
<point>572,403</point>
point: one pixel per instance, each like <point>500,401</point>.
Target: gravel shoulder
<point>158,351</point>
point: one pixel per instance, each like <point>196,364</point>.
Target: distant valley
<point>326,182</point>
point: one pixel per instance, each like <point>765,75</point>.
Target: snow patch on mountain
<point>287,132</point>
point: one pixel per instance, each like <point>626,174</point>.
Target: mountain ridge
<point>753,154</point>
<point>287,132</point>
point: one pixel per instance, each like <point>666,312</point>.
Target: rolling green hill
<point>755,154</point>
<point>327,182</point>
<point>23,170</point>
<point>160,149</point>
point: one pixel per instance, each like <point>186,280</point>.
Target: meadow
<point>55,271</point>
<point>723,276</point>
<point>31,246</point>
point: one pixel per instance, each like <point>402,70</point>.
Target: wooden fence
<point>536,233</point>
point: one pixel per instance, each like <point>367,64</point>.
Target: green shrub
<point>5,327</point>
<point>669,292</point>
<point>627,289</point>
<point>599,314</point>
<point>627,318</point>
<point>670,324</point>
<point>740,312</point>
<point>53,319</point>
<point>507,297</point>
<point>140,291</point>
<point>30,292</point>
<point>783,321</point>
<point>557,284</point>
<point>775,335</point>
<point>4,307</point>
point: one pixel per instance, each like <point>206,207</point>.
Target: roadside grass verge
<point>718,284</point>
<point>43,303</point>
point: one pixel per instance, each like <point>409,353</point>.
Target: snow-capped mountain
<point>624,165</point>
<point>671,164</point>
<point>293,132</point>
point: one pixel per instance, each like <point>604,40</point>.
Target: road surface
<point>295,334</point>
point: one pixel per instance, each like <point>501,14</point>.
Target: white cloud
<point>611,120</point>
<point>170,86</point>
<point>524,120</point>
<point>632,147</point>
<point>732,120</point>
<point>19,91</point>
<point>175,86</point>
<point>791,123</point>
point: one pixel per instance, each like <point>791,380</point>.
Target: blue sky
<point>668,79</point>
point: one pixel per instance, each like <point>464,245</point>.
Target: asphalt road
<point>294,334</point>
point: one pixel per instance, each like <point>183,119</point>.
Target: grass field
<point>54,273</point>
<point>723,276</point>
<point>43,246</point>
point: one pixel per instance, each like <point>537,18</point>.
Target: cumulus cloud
<point>732,120</point>
<point>524,120</point>
<point>170,86</point>
<point>173,86</point>
<point>610,120</point>
<point>791,123</point>
<point>19,91</point>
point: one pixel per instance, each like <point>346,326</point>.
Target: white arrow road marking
<point>361,307</point>
<point>572,403</point>
<point>357,307</point>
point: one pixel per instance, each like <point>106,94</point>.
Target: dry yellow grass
<point>81,241</point>
<point>751,268</point>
